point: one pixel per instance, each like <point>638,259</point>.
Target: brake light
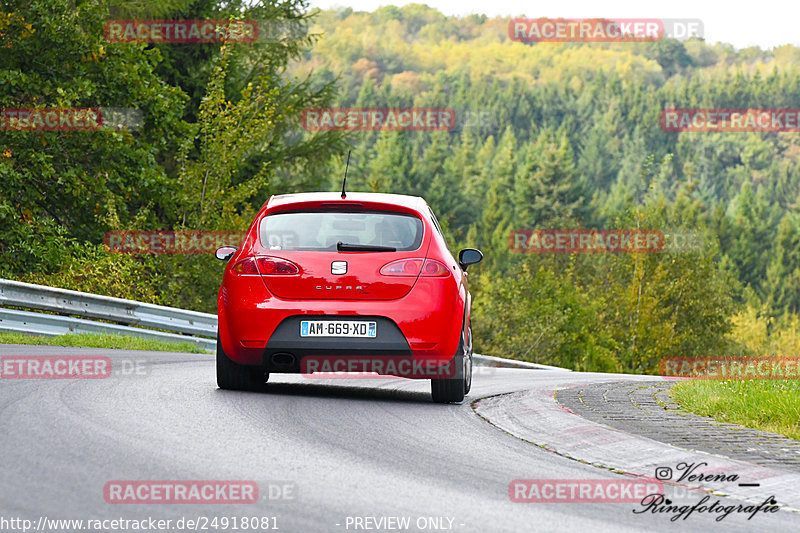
<point>274,266</point>
<point>415,267</point>
<point>267,266</point>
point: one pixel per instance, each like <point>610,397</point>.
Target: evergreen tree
<point>783,272</point>
<point>546,183</point>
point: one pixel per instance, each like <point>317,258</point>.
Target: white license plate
<point>338,328</point>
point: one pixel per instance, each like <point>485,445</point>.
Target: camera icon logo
<point>663,473</point>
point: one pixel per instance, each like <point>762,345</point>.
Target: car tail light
<point>274,266</point>
<point>402,267</point>
<point>246,266</point>
<point>267,266</point>
<point>415,267</point>
<point>434,269</point>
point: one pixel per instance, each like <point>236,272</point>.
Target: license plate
<point>338,328</point>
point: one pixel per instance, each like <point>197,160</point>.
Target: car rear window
<point>322,230</point>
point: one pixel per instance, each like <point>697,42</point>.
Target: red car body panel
<point>430,312</point>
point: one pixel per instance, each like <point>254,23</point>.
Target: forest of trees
<point>549,135</point>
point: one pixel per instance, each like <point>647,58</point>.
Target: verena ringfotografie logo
<point>730,120</point>
<point>726,368</point>
<point>55,367</point>
<point>585,241</point>
<point>180,31</point>
<point>378,119</point>
<point>181,492</point>
<point>169,242</point>
<point>695,473</point>
<point>659,504</point>
<point>377,367</point>
<point>605,30</point>
<point>582,490</point>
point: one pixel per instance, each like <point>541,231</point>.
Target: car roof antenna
<point>344,183</point>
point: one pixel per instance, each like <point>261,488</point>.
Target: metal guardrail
<point>51,325</point>
<point>62,301</point>
<point>123,316</point>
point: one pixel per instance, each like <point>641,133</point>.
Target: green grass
<point>769,405</point>
<point>89,340</point>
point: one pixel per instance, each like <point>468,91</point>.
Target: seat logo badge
<point>339,267</point>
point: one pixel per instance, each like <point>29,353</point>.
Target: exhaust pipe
<point>283,359</point>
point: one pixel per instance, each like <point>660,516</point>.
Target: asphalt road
<point>338,449</point>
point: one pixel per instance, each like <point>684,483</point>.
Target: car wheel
<point>453,390</point>
<point>468,363</point>
<point>233,376</point>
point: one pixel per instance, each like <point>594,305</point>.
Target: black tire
<point>453,390</point>
<point>468,366</point>
<point>233,376</point>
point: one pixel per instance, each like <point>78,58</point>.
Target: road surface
<point>327,456</point>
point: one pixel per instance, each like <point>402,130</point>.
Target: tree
<point>670,54</point>
<point>546,184</point>
<point>54,56</point>
<point>782,285</point>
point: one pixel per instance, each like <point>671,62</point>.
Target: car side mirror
<point>469,256</point>
<point>225,252</point>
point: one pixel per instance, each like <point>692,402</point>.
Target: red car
<point>323,280</point>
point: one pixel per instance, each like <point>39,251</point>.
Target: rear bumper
<point>286,341</point>
<point>254,325</point>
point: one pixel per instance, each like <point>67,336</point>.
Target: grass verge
<point>89,340</point>
<point>769,405</point>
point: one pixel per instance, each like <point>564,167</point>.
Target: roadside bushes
<point>608,311</point>
<point>537,315</point>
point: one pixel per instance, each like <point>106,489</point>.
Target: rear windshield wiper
<point>345,247</point>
